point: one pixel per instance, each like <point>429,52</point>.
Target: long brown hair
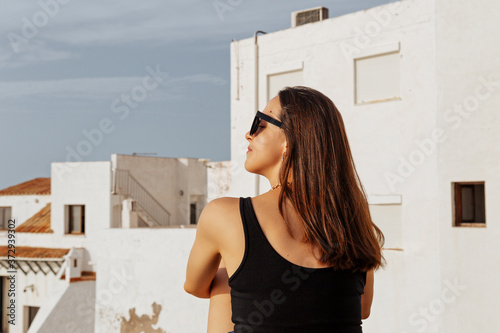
<point>326,191</point>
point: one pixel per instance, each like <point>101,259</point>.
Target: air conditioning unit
<point>302,17</point>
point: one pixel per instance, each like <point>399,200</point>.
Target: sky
<point>81,80</point>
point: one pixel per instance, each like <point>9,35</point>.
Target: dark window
<point>76,219</point>
<point>193,213</point>
<point>32,311</point>
<point>469,204</point>
<point>5,216</point>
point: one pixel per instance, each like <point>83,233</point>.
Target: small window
<point>76,219</point>
<point>278,81</point>
<point>388,217</point>
<point>377,78</point>
<point>192,215</point>
<point>469,204</point>
<point>30,312</point>
<point>5,216</point>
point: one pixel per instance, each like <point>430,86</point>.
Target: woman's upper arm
<point>367,297</point>
<point>205,256</point>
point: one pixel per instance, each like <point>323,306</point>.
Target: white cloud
<point>104,88</point>
<point>32,53</point>
<point>94,22</point>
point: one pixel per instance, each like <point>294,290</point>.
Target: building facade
<point>418,87</point>
<point>78,249</point>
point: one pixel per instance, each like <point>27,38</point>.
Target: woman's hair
<point>326,190</point>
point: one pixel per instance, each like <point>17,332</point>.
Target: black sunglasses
<point>262,116</point>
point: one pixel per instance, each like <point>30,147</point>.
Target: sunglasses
<point>262,116</point>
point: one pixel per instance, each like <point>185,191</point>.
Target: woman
<point>300,257</point>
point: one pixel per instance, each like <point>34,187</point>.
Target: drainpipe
<point>256,65</point>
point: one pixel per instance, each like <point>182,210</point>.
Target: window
<point>377,78</point>
<point>76,219</point>
<point>30,313</point>
<point>5,216</point>
<point>192,216</point>
<point>276,82</point>
<point>389,219</point>
<point>387,213</point>
<point>469,204</point>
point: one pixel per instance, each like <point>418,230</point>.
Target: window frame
<point>355,78</point>
<point>457,205</point>
<point>69,221</point>
<point>4,224</point>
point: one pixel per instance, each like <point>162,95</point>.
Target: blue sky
<point>86,79</point>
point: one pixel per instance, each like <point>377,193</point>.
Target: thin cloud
<point>31,54</point>
<point>103,88</point>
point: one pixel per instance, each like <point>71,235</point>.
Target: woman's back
<point>272,290</point>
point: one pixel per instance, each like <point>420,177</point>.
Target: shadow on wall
<point>142,324</point>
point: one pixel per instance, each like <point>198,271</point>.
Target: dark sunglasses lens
<point>255,125</point>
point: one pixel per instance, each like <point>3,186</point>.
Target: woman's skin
<point>219,312</point>
<point>220,232</point>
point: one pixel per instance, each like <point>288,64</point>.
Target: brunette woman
<point>300,257</point>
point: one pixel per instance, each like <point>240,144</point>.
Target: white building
<point>418,86</point>
<point>98,240</point>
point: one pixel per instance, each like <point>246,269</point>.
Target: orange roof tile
<point>39,186</point>
<point>34,252</point>
<point>39,223</point>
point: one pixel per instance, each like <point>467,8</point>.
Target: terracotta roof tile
<point>39,223</point>
<point>39,186</point>
<point>34,252</point>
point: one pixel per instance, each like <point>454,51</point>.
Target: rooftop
<point>34,252</point>
<point>38,223</point>
<point>37,186</point>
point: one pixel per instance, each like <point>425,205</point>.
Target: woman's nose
<point>248,136</point>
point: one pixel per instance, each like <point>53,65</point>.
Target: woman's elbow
<point>365,314</point>
<point>197,292</point>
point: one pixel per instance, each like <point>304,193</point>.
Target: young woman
<point>300,257</point>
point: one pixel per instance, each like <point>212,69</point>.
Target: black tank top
<point>271,294</point>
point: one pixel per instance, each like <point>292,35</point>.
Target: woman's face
<point>267,144</point>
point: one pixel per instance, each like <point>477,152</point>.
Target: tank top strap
<point>250,222</point>
<point>254,239</point>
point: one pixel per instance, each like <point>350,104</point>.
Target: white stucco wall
<point>218,179</point>
<point>468,102</point>
<point>87,184</point>
<point>72,309</point>
<point>24,206</point>
<point>139,267</point>
<point>399,147</point>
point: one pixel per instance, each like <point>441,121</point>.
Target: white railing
<point>124,183</point>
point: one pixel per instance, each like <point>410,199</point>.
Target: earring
<point>283,157</point>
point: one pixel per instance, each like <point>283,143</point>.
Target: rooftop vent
<point>302,17</point>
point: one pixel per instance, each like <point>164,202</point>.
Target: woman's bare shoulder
<point>220,211</point>
<point>222,205</point>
